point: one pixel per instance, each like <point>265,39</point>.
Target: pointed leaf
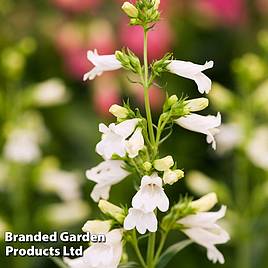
<point>171,252</point>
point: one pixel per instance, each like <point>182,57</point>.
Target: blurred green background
<point>49,117</point>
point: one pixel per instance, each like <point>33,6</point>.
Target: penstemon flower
<point>203,230</point>
<point>192,71</point>
<point>202,124</point>
<point>106,174</point>
<point>103,63</point>
<point>151,195</point>
<point>141,220</point>
<point>114,138</point>
<point>131,146</point>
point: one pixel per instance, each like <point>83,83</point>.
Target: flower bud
<point>118,111</point>
<point>156,4</point>
<point>198,104</point>
<point>205,203</point>
<point>112,210</point>
<point>172,100</point>
<point>172,176</point>
<point>147,166</point>
<point>164,164</point>
<point>130,10</point>
<point>199,183</point>
<point>97,227</point>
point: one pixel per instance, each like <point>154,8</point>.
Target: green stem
<point>146,90</point>
<point>137,250</point>
<point>161,245</point>
<point>150,250</point>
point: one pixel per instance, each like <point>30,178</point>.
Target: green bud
<point>196,105</point>
<point>172,100</point>
<point>156,4</point>
<point>147,166</point>
<point>130,10</point>
<point>112,210</point>
<point>119,111</point>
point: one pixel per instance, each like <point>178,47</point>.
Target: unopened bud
<point>112,210</point>
<point>118,111</point>
<point>198,104</point>
<point>164,164</point>
<point>205,203</point>
<point>147,166</point>
<point>130,10</point>
<point>97,227</point>
<point>172,100</point>
<point>156,4</point>
<point>172,176</point>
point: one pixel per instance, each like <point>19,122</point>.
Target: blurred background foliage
<point>49,117</point>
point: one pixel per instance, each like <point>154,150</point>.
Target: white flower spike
<point>106,174</point>
<point>114,137</point>
<point>151,195</point>
<point>202,124</point>
<point>192,71</point>
<point>141,220</point>
<point>102,64</point>
<point>203,229</point>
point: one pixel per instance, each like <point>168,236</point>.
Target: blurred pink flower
<point>73,42</point>
<point>160,39</point>
<point>106,93</point>
<point>156,96</point>
<point>228,12</point>
<point>76,5</point>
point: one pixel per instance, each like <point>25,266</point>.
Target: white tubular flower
<point>106,174</point>
<point>192,71</point>
<point>114,137</point>
<point>64,183</point>
<point>135,143</point>
<point>229,137</point>
<point>257,150</point>
<point>102,64</point>
<point>141,220</point>
<point>105,255</point>
<point>50,92</point>
<point>22,146</point>
<point>202,124</point>
<point>151,195</point>
<point>203,229</point>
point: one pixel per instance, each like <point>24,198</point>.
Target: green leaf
<point>128,265</point>
<point>171,252</point>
